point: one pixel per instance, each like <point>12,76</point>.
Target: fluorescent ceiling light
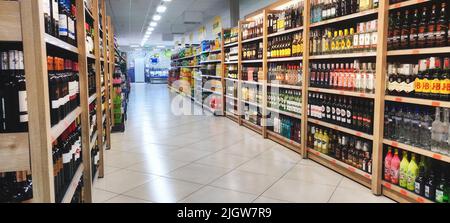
<point>167,0</point>
<point>153,24</point>
<point>161,46</point>
<point>150,29</point>
<point>156,17</point>
<point>134,45</point>
<point>161,9</point>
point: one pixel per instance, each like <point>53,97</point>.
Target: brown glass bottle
<point>421,36</point>
<point>397,32</point>
<point>441,27</point>
<point>404,38</point>
<point>413,32</point>
<point>431,28</point>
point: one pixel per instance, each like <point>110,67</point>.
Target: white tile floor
<point>166,158</point>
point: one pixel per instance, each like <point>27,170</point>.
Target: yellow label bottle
<point>403,181</point>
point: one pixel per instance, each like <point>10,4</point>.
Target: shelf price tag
<point>415,51</point>
<point>436,104</point>
<point>367,176</point>
<point>351,169</point>
<point>394,144</point>
<point>398,99</point>
<point>358,134</point>
<point>387,185</point>
<point>437,156</point>
<point>420,200</point>
<point>334,161</point>
<point>403,192</point>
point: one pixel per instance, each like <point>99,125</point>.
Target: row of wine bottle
<point>287,127</point>
<point>350,112</point>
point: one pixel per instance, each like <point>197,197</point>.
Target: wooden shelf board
<point>293,87</point>
<point>231,79</point>
<point>418,101</point>
<point>403,193</point>
<point>73,185</point>
<point>417,150</point>
<point>340,128</point>
<point>14,152</point>
<point>341,92</point>
<point>232,116</point>
<point>10,21</point>
<point>96,176</point>
<point>347,17</point>
<point>251,82</point>
<point>231,62</point>
<point>253,39</point>
<point>291,144</point>
<point>209,76</point>
<point>59,128</point>
<point>59,43</point>
<point>290,114</point>
<point>91,56</point>
<point>230,97</point>
<point>92,98</point>
<point>340,167</point>
<point>408,52</point>
<point>252,61</point>
<point>285,32</point>
<point>231,44</point>
<point>251,103</point>
<point>406,4</point>
<point>214,51</point>
<point>251,126</point>
<point>343,55</point>
<point>210,61</point>
<point>284,59</point>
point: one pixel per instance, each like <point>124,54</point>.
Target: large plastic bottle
<point>404,170</point>
<point>387,165</point>
<point>412,174</point>
<point>395,168</point>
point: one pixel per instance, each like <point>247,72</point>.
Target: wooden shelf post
<point>377,154</point>
<point>84,100</point>
<point>305,79</point>
<point>35,60</point>
<point>265,71</point>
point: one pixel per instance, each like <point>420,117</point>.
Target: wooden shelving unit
<point>22,21</point>
<point>374,180</point>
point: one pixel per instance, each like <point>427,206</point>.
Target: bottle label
<point>439,196</point>
<point>417,187</point>
<point>55,10</point>
<point>435,86</point>
<point>427,84</point>
<point>427,191</point>
<point>374,39</point>
<point>367,38</point>
<point>23,106</point>
<point>63,29</point>
<point>355,41</point>
<point>418,85</point>
<point>71,28</point>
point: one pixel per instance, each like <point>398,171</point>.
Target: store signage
<point>217,24</point>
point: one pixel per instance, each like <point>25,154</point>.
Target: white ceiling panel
<point>131,18</point>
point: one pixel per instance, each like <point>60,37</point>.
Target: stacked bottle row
<point>288,18</point>
<point>351,150</point>
<point>328,9</point>
<point>78,195</point>
<point>90,46</point>
<point>92,81</point>
<point>231,71</point>
<point>13,94</point>
<point>252,114</point>
<point>419,28</point>
<point>92,119</point>
<point>290,45</point>
<point>60,19</point>
<point>16,187</point>
<point>231,36</point>
<point>252,94</point>
<point>253,29</point>
<point>285,100</point>
<point>345,39</point>
<point>231,54</point>
<point>350,112</point>
<point>428,178</point>
<point>285,73</point>
<point>231,106</point>
<point>252,73</point>
<point>287,127</point>
<point>430,79</point>
<point>252,51</point>
<point>95,159</point>
<point>67,155</point>
<point>64,91</point>
<point>356,76</point>
<point>418,126</point>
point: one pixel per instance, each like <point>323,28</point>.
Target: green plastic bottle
<point>412,174</point>
<point>404,170</point>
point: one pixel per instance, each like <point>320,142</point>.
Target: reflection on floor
<point>166,158</point>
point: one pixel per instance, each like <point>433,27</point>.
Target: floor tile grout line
<point>335,190</point>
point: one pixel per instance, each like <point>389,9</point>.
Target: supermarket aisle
<point>167,158</point>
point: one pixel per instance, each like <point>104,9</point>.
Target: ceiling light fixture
<point>153,24</point>
<point>161,9</point>
<point>156,17</point>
